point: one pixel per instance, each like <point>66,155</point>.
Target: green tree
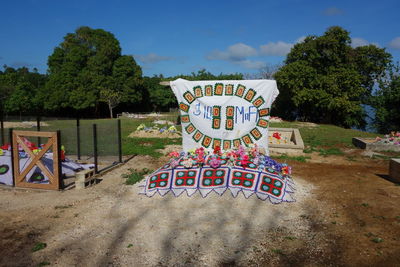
<point>88,68</point>
<point>386,102</point>
<point>160,97</point>
<point>204,75</point>
<point>326,80</point>
<point>19,90</point>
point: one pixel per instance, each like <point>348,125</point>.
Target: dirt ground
<point>347,214</point>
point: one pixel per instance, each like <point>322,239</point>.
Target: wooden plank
<point>20,178</point>
<point>15,158</point>
<point>37,186</point>
<point>33,134</point>
<point>56,167</point>
<point>35,159</point>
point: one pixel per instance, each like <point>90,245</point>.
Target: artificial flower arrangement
<point>143,127</point>
<point>245,157</point>
<point>392,138</point>
<point>277,138</point>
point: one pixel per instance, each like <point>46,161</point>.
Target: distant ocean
<point>369,119</point>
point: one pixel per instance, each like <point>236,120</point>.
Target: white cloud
<point>151,58</point>
<point>300,39</point>
<point>236,52</point>
<point>395,43</point>
<point>239,53</point>
<point>276,49</point>
<point>332,11</point>
<point>251,64</point>
<point>356,42</point>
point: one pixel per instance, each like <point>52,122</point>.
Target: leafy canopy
<point>386,102</point>
<point>19,90</point>
<point>325,79</point>
<point>87,67</point>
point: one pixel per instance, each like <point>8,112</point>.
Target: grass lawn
<point>324,135</point>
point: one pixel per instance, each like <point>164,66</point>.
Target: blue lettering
<point>197,112</point>
<point>237,112</point>
<point>209,113</point>
<point>253,112</point>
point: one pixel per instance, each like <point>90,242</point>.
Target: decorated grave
<point>36,175</point>
<point>390,142</point>
<point>156,131</point>
<point>225,143</point>
<point>285,141</point>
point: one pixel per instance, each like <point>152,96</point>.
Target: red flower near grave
<point>173,154</point>
<point>217,150</point>
<point>276,135</point>
<point>244,161</point>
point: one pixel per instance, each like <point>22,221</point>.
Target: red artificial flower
<point>173,154</point>
<point>244,161</point>
<point>276,135</point>
<point>5,147</point>
<point>217,150</point>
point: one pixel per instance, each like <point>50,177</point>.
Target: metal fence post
<point>60,176</point>
<point>10,137</point>
<point>95,148</point>
<point>78,138</point>
<point>2,129</point>
<point>119,141</point>
<point>38,129</point>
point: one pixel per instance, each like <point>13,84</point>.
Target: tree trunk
<point>111,109</point>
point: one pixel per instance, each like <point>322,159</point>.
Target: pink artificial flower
<point>215,163</point>
<point>174,163</point>
<point>240,152</point>
<point>256,160</point>
<point>254,151</point>
<point>173,154</point>
<point>200,151</point>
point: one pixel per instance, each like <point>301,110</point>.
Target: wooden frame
<point>20,176</point>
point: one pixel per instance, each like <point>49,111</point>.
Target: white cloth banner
<point>224,113</point>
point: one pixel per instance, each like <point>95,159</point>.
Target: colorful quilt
<point>265,182</point>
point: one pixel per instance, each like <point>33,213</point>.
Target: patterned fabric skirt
<point>265,183</point>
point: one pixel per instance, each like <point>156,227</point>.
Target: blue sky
<point>180,37</point>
